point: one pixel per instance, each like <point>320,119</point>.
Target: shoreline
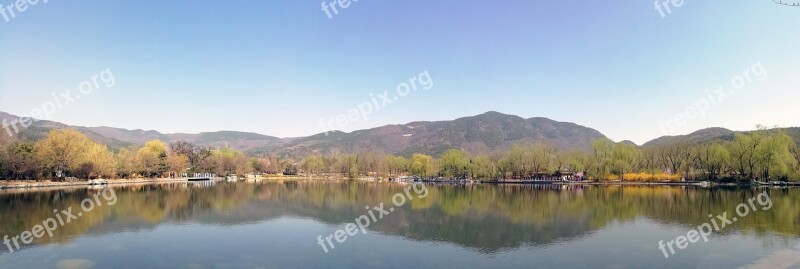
<point>16,185</point>
<point>617,183</point>
<point>26,185</point>
<point>629,183</point>
<point>48,184</point>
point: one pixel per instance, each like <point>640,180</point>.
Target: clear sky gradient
<point>278,67</point>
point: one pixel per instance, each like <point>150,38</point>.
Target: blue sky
<point>279,67</point>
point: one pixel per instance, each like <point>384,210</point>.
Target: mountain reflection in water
<point>487,219</point>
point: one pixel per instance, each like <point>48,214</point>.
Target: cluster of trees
<point>761,155</point>
<point>521,161</point>
<point>68,153</point>
<point>61,152</point>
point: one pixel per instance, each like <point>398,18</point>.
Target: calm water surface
<point>276,225</point>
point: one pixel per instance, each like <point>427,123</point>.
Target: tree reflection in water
<point>488,218</point>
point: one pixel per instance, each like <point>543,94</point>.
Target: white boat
<point>98,182</point>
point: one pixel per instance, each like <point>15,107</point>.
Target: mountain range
<point>481,133</point>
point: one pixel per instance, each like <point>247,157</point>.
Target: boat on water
<point>199,178</point>
<point>96,182</point>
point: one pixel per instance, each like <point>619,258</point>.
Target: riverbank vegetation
<point>765,155</point>
<point>68,154</point>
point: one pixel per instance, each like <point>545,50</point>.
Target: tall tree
<point>455,164</point>
<point>514,162</point>
<point>625,156</point>
<point>676,157</point>
<point>712,158</point>
<point>397,165</point>
<point>314,164</point>
<point>102,161</point>
<point>346,164</point>
<point>613,158</point>
<point>18,161</point>
<point>62,151</point>
<point>773,155</point>
<point>422,165</point>
<point>602,163</point>
<point>228,161</point>
<point>126,164</point>
<point>743,153</point>
<point>372,161</point>
<point>197,157</point>
<point>150,160</point>
<point>483,167</point>
<point>795,150</point>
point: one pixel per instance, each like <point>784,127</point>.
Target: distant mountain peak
<point>485,132</point>
<point>699,136</point>
<point>480,133</point>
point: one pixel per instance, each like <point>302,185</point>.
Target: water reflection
<point>484,218</point>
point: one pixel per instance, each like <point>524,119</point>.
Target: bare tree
<point>197,156</point>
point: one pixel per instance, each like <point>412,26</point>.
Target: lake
<point>287,225</point>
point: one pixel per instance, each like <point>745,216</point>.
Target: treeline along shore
<point>68,155</point>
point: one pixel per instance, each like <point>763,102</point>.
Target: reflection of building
<point>201,184</point>
<point>255,177</point>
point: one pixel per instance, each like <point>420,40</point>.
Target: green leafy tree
<point>773,155</point>
<point>483,167</point>
<point>314,164</point>
<point>422,165</point>
<point>397,165</point>
<point>455,164</point>
<point>712,159</point>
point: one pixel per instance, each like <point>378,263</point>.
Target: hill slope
<point>485,132</point>
<point>711,135</point>
<point>481,133</point>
